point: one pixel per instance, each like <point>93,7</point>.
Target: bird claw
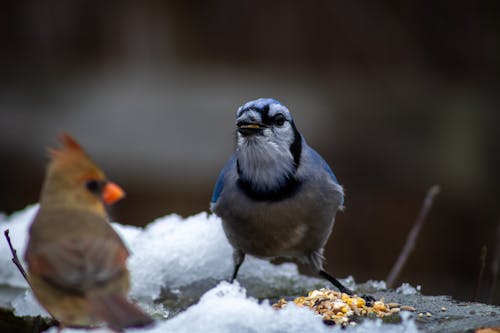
<point>368,299</point>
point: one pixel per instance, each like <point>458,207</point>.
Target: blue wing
<point>219,185</point>
<point>317,157</point>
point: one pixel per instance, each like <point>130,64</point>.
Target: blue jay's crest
<point>267,107</point>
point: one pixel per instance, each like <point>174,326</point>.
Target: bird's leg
<point>336,283</point>
<point>343,289</point>
<point>238,257</point>
<point>316,261</point>
<point>15,258</point>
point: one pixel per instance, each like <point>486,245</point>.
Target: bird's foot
<point>368,299</point>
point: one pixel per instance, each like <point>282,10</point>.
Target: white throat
<point>264,163</point>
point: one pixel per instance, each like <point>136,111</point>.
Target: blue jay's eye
<point>279,119</point>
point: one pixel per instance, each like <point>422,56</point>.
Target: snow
<point>377,285</point>
<point>179,253</point>
<point>26,305</point>
<point>176,262</point>
<point>231,311</point>
<point>407,289</point>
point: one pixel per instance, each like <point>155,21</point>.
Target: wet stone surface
<point>442,314</point>
<point>431,313</point>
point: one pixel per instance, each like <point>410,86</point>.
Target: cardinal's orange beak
<point>112,193</point>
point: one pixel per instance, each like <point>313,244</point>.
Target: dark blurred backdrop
<point>396,96</point>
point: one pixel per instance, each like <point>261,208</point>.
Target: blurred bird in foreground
<point>76,261</point>
<point>276,196</point>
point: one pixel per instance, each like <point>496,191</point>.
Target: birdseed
<point>337,308</point>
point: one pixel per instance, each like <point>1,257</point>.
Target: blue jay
<point>276,196</point>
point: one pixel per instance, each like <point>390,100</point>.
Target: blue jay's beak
<point>247,128</point>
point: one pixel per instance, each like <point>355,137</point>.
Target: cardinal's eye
<point>93,185</point>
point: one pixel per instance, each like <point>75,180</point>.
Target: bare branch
<point>17,262</point>
<point>482,260</point>
<point>495,263</point>
<point>412,236</point>
<point>15,258</point>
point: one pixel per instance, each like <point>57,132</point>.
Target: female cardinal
<point>76,261</point>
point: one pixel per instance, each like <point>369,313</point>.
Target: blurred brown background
<point>396,96</point>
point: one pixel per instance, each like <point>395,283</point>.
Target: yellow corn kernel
<point>378,305</point>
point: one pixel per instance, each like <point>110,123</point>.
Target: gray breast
<point>293,226</point>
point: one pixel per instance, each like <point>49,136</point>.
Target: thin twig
<point>412,236</point>
<point>495,263</point>
<point>15,258</point>
<point>17,262</point>
<point>482,260</point>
